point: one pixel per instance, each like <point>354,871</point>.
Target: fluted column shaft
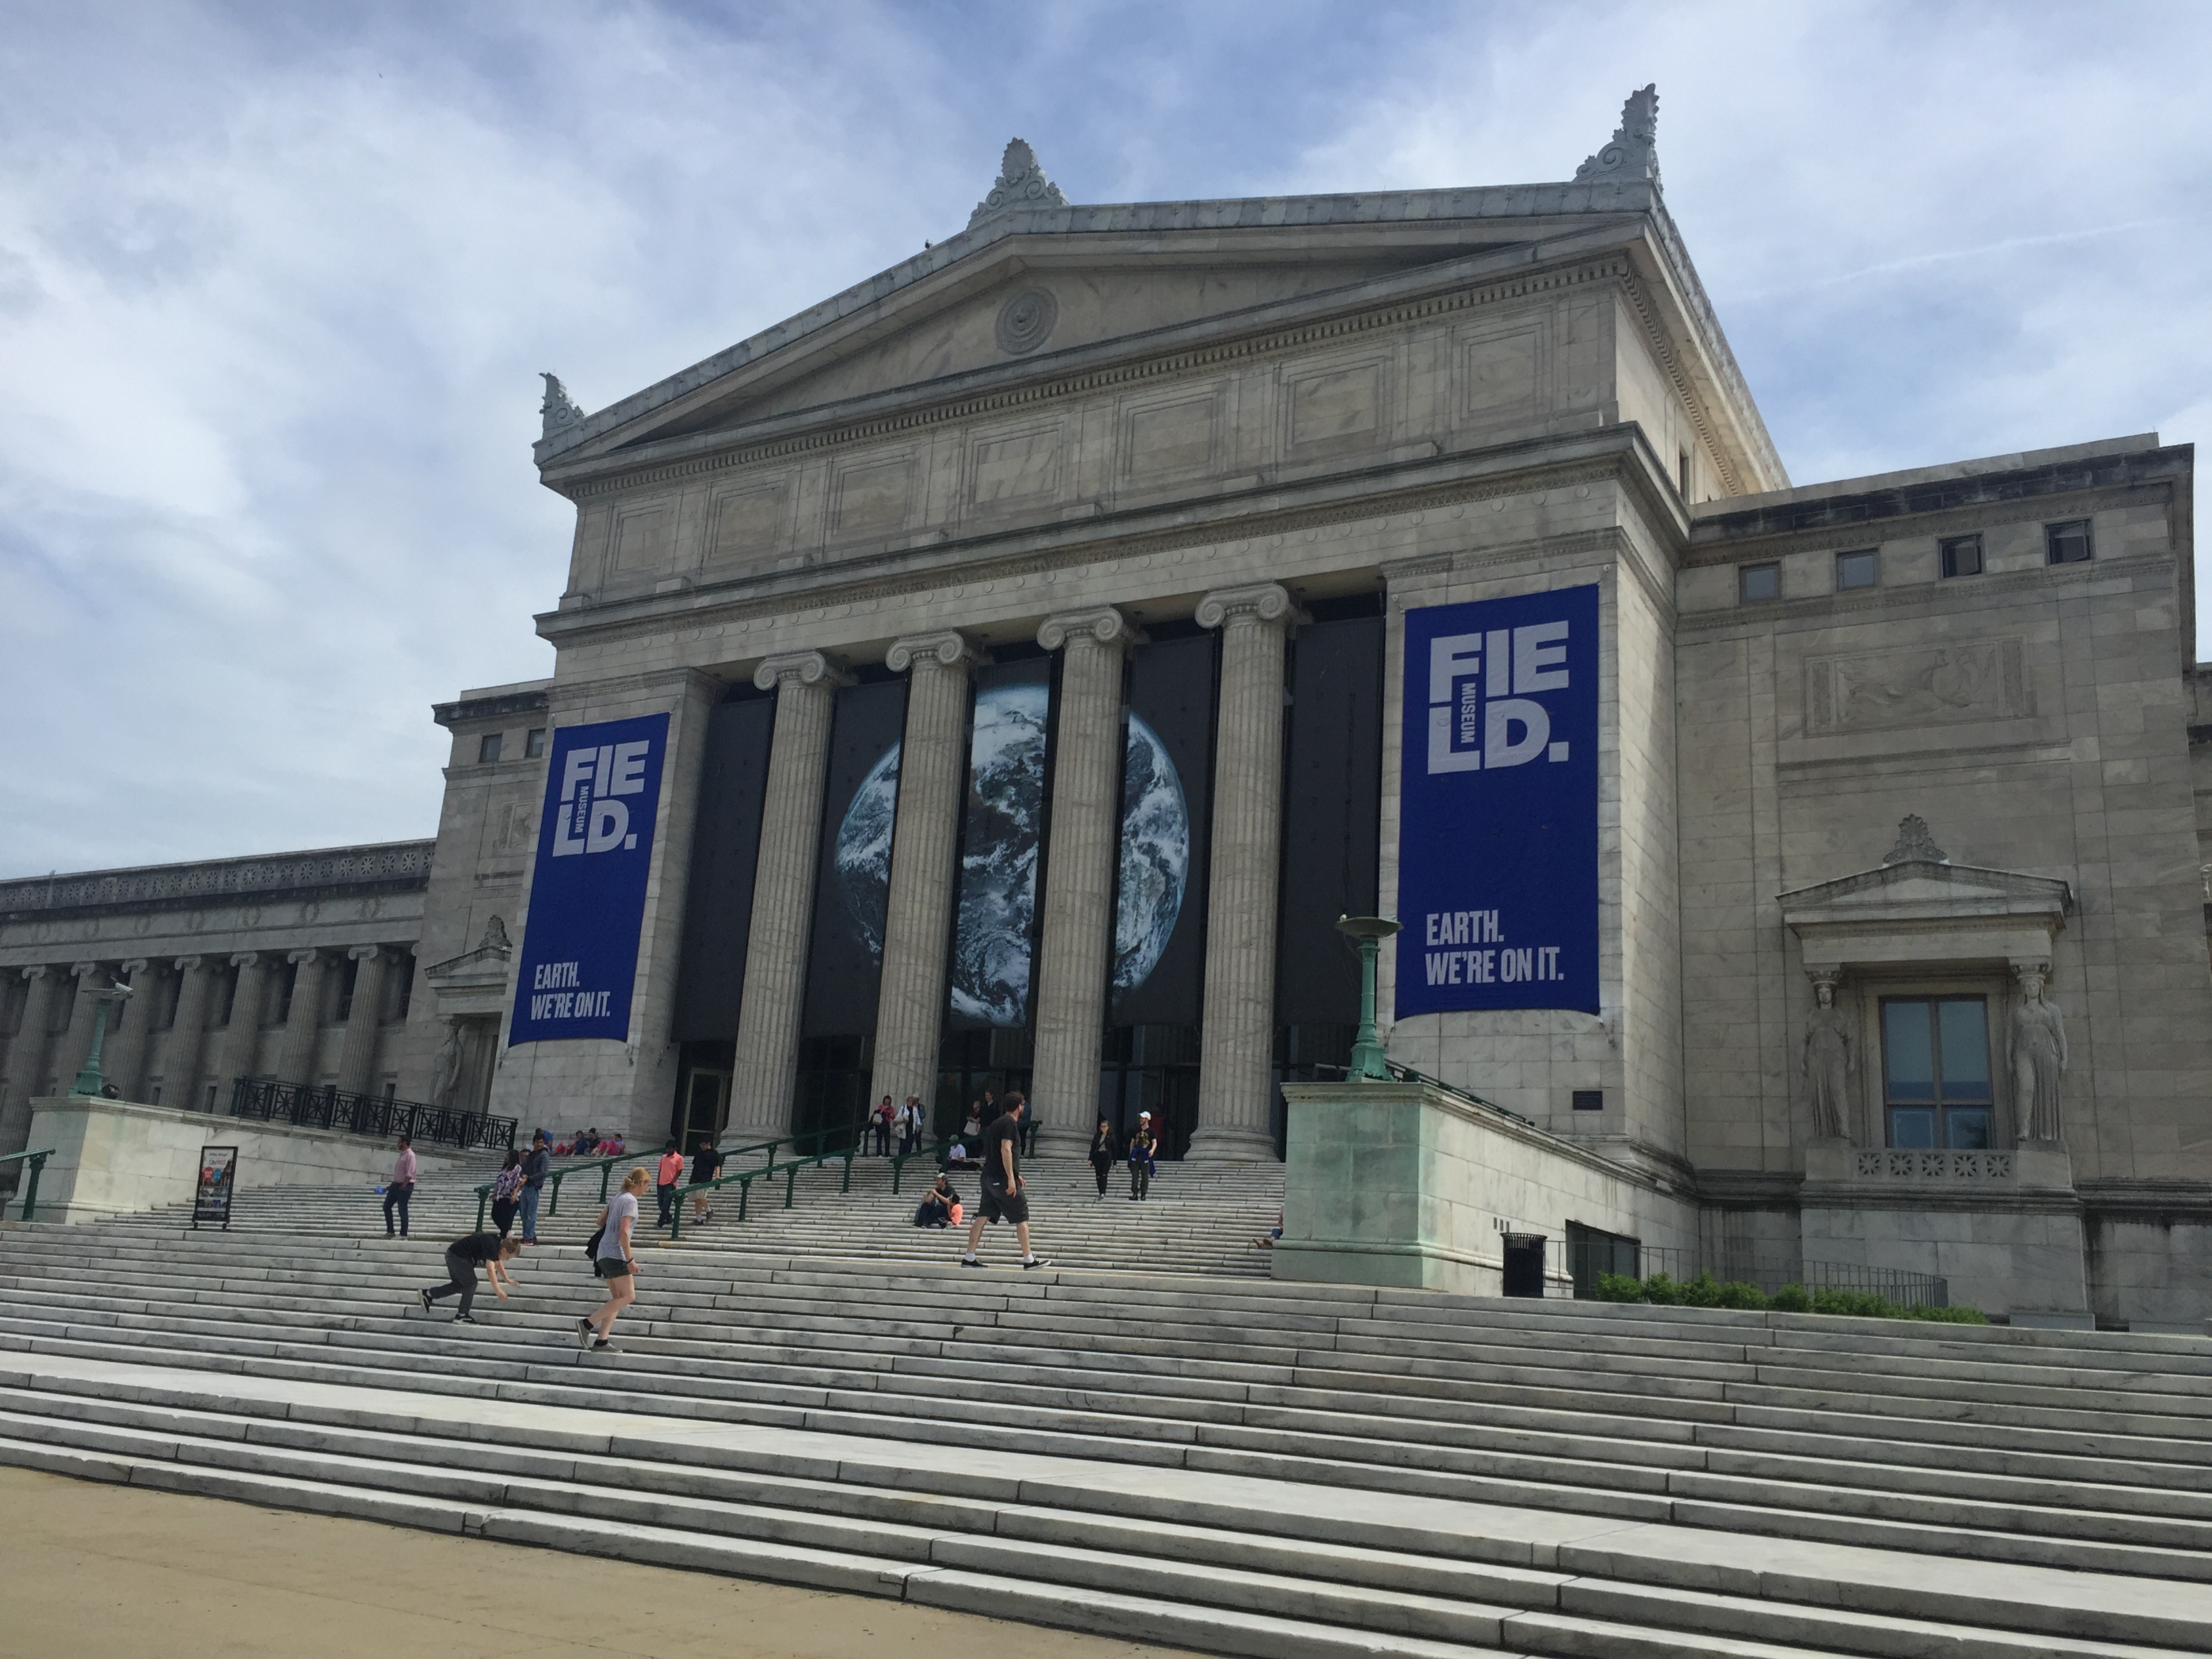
<point>180,1064</point>
<point>918,916</point>
<point>27,1057</point>
<point>766,1075</point>
<point>234,1054</point>
<point>1079,901</point>
<point>357,1054</point>
<point>296,1054</point>
<point>131,1031</point>
<point>1236,1075</point>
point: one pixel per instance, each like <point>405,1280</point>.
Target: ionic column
<point>1236,1074</point>
<point>76,1036</point>
<point>357,1054</point>
<point>1078,902</point>
<point>27,1057</point>
<point>918,917</point>
<point>180,1066</point>
<point>241,1036</point>
<point>766,1076</point>
<point>131,1029</point>
<point>295,1053</point>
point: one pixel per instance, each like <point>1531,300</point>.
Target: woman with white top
<point>614,1262</point>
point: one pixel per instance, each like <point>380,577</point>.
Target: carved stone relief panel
<point>510,827</point>
<point>1504,372</point>
<point>1921,685</point>
<point>751,523</point>
<point>872,496</point>
<point>1173,437</point>
<point>1010,471</point>
<point>1335,408</point>
<point>645,537</point>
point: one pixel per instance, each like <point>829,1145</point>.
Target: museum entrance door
<point>1150,1068</point>
<point>996,1058</point>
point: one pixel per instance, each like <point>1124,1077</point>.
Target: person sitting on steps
<point>940,1205</point>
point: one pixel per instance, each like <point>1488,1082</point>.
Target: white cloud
<point>275,287</point>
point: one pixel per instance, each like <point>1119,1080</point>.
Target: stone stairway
<point>1225,1464</point>
<point>1200,1218</point>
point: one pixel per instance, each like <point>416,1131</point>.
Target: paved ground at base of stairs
<point>98,1569</point>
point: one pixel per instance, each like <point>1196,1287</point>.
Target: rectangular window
<point>1962,556</point>
<point>1936,1070</point>
<point>1590,1100</point>
<point>487,749</point>
<point>1756,582</point>
<point>533,746</point>
<point>1682,472</point>
<point>348,976</point>
<point>1859,569</point>
<point>2067,542</point>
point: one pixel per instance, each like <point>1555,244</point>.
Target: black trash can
<point>1524,1264</point>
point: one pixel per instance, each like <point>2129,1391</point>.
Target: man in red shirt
<point>670,1176</point>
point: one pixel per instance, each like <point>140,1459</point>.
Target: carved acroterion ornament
<point>1021,184</point>
<point>559,409</point>
<point>1634,151</point>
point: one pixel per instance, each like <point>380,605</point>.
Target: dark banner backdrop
<point>717,905</point>
<point>1167,785</point>
<point>852,880</point>
<point>1002,830</point>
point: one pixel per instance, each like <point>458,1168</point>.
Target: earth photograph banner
<point>588,893</point>
<point>1498,831</point>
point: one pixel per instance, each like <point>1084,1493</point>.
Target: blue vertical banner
<point>588,893</point>
<point>1498,798</point>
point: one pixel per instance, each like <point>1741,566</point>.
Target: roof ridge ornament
<point>1634,151</point>
<point>1021,184</point>
<point>559,409</point>
<point>1914,844</point>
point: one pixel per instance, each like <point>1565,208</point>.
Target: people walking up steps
<point>1003,1197</point>
<point>400,1189</point>
<point>615,1259</point>
<point>535,1169</point>
<point>670,1176</point>
<point>462,1257</point>
<point>706,1164</point>
<point>506,1193</point>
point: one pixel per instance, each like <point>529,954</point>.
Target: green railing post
<point>676,1209</point>
<point>37,1162</point>
<point>846,1185</point>
<point>790,1181</point>
<point>484,1197</point>
<point>605,1169</point>
<point>554,1207</point>
<point>745,1193</point>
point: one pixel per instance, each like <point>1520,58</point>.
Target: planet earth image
<point>1000,834</point>
<point>864,850</point>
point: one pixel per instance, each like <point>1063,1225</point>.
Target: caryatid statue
<point>2038,1058</point>
<point>446,1075</point>
<point>1828,1063</point>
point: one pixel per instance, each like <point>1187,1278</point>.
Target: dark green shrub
<point>1661,1291</point>
<point>1737,1294</point>
<point>1617,1287</point>
<point>1703,1292</point>
<point>1792,1298</point>
<point>1949,1315</point>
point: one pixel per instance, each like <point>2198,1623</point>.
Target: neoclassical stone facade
<point>1029,623</point>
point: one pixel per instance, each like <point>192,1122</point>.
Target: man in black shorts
<point>706,1164</point>
<point>1003,1197</point>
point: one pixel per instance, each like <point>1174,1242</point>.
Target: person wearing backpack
<point>614,1259</point>
<point>1141,1148</point>
<point>506,1190</point>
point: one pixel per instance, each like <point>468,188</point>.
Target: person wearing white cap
<point>1142,1147</point>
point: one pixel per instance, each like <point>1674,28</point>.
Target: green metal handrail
<point>789,1170</point>
<point>936,1153</point>
<point>36,1161</point>
<point>556,1177</point>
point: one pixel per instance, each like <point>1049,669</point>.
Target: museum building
<point>1004,674</point>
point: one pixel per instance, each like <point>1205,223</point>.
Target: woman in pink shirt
<point>399,1189</point>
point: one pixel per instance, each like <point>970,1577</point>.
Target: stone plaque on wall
<point>751,522</point>
<point>1502,375</point>
<point>1337,408</point>
<point>645,537</point>
<point>1924,685</point>
<point>1017,468</point>
<point>874,498</point>
<point>1171,440</point>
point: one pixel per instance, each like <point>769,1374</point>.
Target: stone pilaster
<point>296,1056</point>
<point>1078,899</point>
<point>918,918</point>
<point>27,1054</point>
<point>235,1052</point>
<point>1236,1077</point>
<point>180,1061</point>
<point>131,1031</point>
<point>767,1072</point>
<point>357,1054</point>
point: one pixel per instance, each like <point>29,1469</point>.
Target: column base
<point>1231,1145</point>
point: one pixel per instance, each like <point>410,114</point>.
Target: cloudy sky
<point>276,282</point>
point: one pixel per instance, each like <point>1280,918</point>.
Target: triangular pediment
<point>1927,887</point>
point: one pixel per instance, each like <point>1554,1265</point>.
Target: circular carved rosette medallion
<point>1025,320</point>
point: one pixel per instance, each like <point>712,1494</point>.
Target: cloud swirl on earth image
<point>1155,857</point>
<point>864,850</point>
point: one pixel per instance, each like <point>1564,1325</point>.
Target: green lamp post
<point>90,1080</point>
<point>1367,933</point>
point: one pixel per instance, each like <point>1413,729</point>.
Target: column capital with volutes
<point>245,958</point>
<point>1102,625</point>
<point>186,964</point>
<point>944,649</point>
<point>798,668</point>
<point>135,966</point>
<point>39,971</point>
<point>303,958</point>
<point>363,952</point>
<point>1261,602</point>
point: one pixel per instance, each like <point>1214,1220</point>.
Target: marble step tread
<point>1875,1583</point>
